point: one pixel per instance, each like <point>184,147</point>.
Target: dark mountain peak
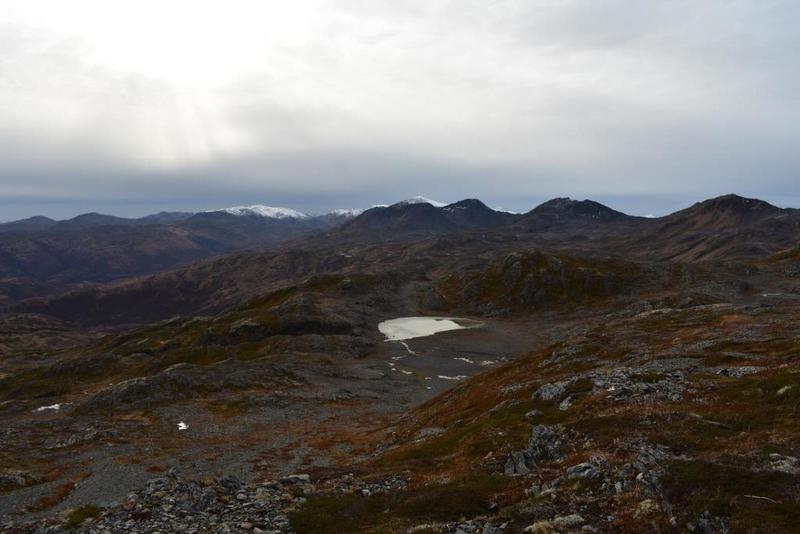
<point>558,202</point>
<point>212,216</point>
<point>394,211</point>
<point>165,217</point>
<point>408,215</point>
<point>37,222</point>
<point>402,210</point>
<point>725,212</point>
<point>469,203</point>
<point>471,213</point>
<point>92,215</point>
<point>736,205</point>
<point>567,208</point>
<point>420,200</point>
<point>421,217</point>
<point>95,219</point>
<point>37,219</point>
<point>567,214</point>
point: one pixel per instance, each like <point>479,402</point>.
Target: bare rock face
<point>552,392</point>
<point>584,470</point>
<point>516,464</point>
<point>545,445</point>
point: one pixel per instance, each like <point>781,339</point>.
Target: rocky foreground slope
<point>650,418</point>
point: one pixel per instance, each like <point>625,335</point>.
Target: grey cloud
<point>646,104</point>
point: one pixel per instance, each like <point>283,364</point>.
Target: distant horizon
<point>659,206</point>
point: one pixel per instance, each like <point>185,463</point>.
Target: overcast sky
<point>136,107</point>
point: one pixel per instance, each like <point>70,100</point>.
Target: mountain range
<point>39,256</point>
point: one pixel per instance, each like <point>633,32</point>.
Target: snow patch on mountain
<point>422,200</point>
<point>351,212</point>
<point>259,210</point>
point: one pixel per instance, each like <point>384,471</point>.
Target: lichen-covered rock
<point>546,444</point>
<point>551,392</point>
<point>784,464</point>
<point>583,470</point>
<point>516,464</point>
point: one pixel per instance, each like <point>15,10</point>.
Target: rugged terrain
<point>629,375</point>
<point>40,256</point>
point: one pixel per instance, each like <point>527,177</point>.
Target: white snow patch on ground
<point>410,327</point>
<point>53,407</point>
<point>182,426</point>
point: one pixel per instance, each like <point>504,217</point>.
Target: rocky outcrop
<point>173,503</point>
<point>545,445</point>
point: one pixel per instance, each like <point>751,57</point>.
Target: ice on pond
<point>411,327</point>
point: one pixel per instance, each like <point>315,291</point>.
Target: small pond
<point>404,328</point>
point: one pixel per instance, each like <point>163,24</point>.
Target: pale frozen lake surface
<point>410,327</point>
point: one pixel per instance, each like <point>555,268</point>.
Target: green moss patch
<point>77,516</point>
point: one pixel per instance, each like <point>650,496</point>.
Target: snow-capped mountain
<point>421,200</point>
<point>259,210</point>
<point>347,212</point>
